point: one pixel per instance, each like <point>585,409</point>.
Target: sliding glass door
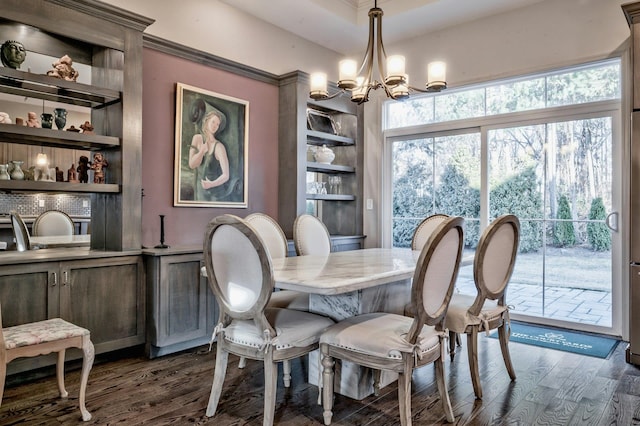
<point>555,175</point>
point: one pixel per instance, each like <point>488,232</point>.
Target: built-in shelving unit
<point>106,42</point>
<point>341,207</point>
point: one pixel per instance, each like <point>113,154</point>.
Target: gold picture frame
<point>211,149</point>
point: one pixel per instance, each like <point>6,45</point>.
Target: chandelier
<point>360,81</point>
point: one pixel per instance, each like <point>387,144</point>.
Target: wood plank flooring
<point>552,388</point>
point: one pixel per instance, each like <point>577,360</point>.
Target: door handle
<point>611,222</point>
<point>55,279</point>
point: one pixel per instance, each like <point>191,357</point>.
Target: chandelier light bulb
<point>359,93</point>
<point>318,85</point>
<point>436,76</point>
<point>348,74</point>
<point>395,70</point>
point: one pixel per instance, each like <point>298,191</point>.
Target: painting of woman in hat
<point>208,156</point>
<point>211,149</point>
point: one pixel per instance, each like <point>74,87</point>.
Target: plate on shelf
<point>321,122</point>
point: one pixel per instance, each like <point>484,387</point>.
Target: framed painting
<point>211,146</point>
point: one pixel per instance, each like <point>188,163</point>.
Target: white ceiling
<point>342,25</point>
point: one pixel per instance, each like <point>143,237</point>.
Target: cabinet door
<point>29,294</point>
<point>105,296</point>
<point>183,300</point>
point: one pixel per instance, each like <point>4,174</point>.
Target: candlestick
<point>162,244</point>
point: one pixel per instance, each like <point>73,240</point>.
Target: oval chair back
<point>272,235</point>
<point>311,236</point>
<point>53,222</point>
<point>424,230</point>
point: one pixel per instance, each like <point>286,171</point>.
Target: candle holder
<point>162,245</point>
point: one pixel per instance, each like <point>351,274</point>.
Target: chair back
<point>272,235</point>
<point>20,232</point>
<point>53,222</point>
<point>424,230</point>
<point>238,267</point>
<point>495,259</point>
<point>435,275</point>
<point>311,236</point>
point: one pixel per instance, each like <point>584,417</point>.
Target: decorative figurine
<point>32,120</point>
<point>72,177</point>
<point>46,120</point>
<point>73,129</point>
<point>87,128</point>
<point>62,69</point>
<point>60,117</point>
<point>4,118</point>
<point>83,169</point>
<point>98,165</point>
<point>19,121</point>
<point>59,175</point>
<point>12,54</point>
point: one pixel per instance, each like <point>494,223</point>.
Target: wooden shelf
<point>39,86</point>
<point>55,138</point>
<point>331,197</point>
<point>43,186</point>
<point>320,138</point>
<point>329,168</point>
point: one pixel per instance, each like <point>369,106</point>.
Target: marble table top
<point>344,271</point>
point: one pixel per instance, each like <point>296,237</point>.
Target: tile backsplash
<point>34,204</point>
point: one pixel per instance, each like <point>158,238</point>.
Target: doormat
<point>561,339</point>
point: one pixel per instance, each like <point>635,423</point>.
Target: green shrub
<point>598,233</point>
<point>563,233</point>
<point>519,196</point>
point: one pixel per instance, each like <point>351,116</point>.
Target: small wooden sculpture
<point>72,175</point>
<point>62,68</point>
<point>32,120</point>
<point>83,169</point>
<point>87,128</point>
<point>98,165</point>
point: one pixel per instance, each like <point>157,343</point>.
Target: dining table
<point>347,283</point>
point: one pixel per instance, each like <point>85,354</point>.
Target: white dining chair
<point>275,242</point>
<point>487,309</point>
<point>420,237</point>
<point>385,341</point>
<point>424,230</point>
<point>53,222</point>
<point>241,277</point>
<point>20,232</point>
<point>310,236</point>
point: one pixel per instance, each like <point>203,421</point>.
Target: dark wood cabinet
<point>181,308</point>
<point>104,294</point>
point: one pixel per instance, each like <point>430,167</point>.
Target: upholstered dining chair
<point>241,277</point>
<point>20,232</point>
<point>53,222</point>
<point>275,242</point>
<point>487,310</point>
<point>424,230</point>
<point>45,337</point>
<point>310,236</point>
<point>385,341</point>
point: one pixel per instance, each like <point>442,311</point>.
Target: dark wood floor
<point>552,388</point>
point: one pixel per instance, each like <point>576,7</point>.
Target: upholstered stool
<point>45,337</point>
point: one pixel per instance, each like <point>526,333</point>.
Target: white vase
<point>4,175</point>
<point>324,155</point>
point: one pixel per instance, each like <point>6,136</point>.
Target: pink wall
<point>186,225</point>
